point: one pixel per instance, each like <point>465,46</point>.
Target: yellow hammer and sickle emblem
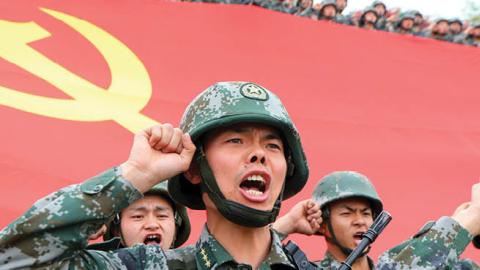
<point>129,91</point>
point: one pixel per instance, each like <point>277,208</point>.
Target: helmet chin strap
<point>233,211</point>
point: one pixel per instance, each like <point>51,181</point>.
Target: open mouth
<point>358,237</point>
<point>152,239</point>
<point>254,187</point>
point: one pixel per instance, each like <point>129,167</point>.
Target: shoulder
<point>181,258</point>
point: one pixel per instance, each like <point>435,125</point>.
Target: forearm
<point>58,225</point>
<point>439,247</point>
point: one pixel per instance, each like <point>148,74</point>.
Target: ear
<point>193,174</point>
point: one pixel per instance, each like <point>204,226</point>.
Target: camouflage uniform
<point>437,245</point>
<point>330,263</point>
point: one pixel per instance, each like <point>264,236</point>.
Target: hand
<point>158,153</point>
<point>468,214</point>
<point>305,218</point>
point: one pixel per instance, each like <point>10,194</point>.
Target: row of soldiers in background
<point>376,16</point>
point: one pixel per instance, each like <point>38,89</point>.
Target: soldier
<point>473,36</point>
<point>248,159</point>
<point>404,24</point>
<point>155,219</point>
<point>440,30</point>
<point>381,9</point>
<point>456,30</point>
<point>419,23</point>
<point>349,204</point>
<point>368,19</point>
<point>305,9</point>
<point>328,10</point>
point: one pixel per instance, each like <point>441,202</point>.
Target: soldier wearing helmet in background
<point>404,24</point>
<point>455,27</point>
<point>440,30</point>
<point>153,220</point>
<point>349,204</point>
<point>368,19</point>
<point>381,10</point>
<point>248,159</point>
<point>473,36</point>
<point>328,10</point>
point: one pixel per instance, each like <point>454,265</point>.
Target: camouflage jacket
<point>330,263</point>
<point>53,234</point>
<point>437,245</point>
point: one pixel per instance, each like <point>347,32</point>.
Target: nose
<point>257,155</point>
<point>360,220</point>
<point>151,223</point>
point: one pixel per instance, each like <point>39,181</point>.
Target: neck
<point>255,242</point>
<point>360,264</point>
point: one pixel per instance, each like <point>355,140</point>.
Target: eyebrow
<point>144,209</point>
<point>270,135</point>
<point>355,209</point>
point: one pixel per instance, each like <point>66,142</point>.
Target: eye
<point>344,214</point>
<point>235,140</point>
<point>367,214</point>
<point>274,146</point>
<point>136,217</point>
<point>163,216</point>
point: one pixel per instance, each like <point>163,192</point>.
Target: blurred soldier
<point>456,30</point>
<point>440,30</point>
<point>305,9</point>
<point>328,10</point>
<point>368,19</point>
<point>248,159</point>
<point>419,24</point>
<point>341,17</point>
<point>381,10</point>
<point>349,204</point>
<point>404,24</point>
<point>473,36</point>
<point>153,220</point>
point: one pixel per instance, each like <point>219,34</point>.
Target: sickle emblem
<point>129,91</point>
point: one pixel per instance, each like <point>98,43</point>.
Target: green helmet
<point>182,222</point>
<point>224,104</point>
<point>343,185</point>
<point>325,3</point>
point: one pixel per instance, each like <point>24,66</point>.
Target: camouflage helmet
<point>439,20</point>
<point>182,222</point>
<point>376,3</point>
<point>456,20</point>
<point>343,185</point>
<point>325,3</point>
<point>227,103</point>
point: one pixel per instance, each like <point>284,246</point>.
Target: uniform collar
<point>211,254</point>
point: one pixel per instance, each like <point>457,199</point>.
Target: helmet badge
<point>253,91</point>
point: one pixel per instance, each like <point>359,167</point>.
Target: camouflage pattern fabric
<point>330,263</point>
<point>437,245</point>
<point>208,253</point>
<point>53,234</point>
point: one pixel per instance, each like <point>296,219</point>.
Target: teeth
<point>254,193</point>
<point>256,178</point>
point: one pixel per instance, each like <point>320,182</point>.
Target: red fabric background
<point>402,110</point>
